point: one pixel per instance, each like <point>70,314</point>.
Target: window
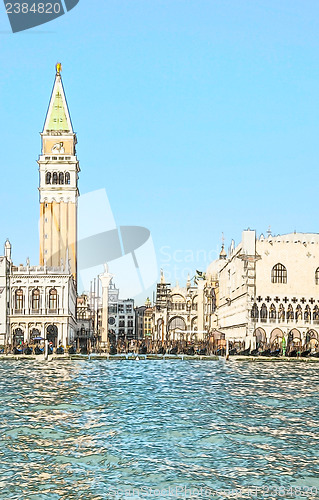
<point>61,178</point>
<point>48,178</point>
<point>263,313</point>
<point>307,314</point>
<point>254,312</point>
<point>279,274</point>
<point>19,299</point>
<point>281,314</point>
<point>290,313</point>
<point>53,299</point>
<point>36,300</point>
<point>55,178</point>
<point>298,314</point>
<point>67,177</point>
<point>317,276</point>
<point>272,312</point>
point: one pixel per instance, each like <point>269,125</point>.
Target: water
<point>81,429</point>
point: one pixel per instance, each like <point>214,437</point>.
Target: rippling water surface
<point>92,429</point>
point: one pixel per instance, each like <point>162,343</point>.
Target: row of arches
<point>57,178</point>
<point>35,303</point>
<point>18,335</point>
<point>279,274</point>
<point>294,335</point>
<point>281,314</point>
<point>178,323</point>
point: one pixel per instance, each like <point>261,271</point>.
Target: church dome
<point>215,266</point>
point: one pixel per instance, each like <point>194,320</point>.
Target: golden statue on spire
<point>58,68</point>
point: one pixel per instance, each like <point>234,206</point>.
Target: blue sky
<point>197,117</point>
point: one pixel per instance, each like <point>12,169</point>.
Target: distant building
<point>139,322</point>
<point>121,316</point>
<point>144,321</point>
<point>184,313</point>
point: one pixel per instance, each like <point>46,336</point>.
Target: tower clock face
<point>112,298</point>
<point>111,321</point>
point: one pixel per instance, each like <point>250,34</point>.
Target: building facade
<point>184,313</point>
<point>268,290</point>
<point>121,316</point>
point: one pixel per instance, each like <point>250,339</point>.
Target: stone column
<point>105,279</point>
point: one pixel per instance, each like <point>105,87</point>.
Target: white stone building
<point>268,288</point>
<point>36,301</point>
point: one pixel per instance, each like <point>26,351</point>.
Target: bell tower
<point>58,168</point>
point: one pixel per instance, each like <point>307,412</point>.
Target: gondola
<point>59,350</point>
<point>245,352</point>
<point>275,353</point>
<point>142,349</point>
<point>254,352</point>
<point>161,350</point>
<point>293,353</point>
<point>189,351</point>
<point>17,351</point>
<point>28,351</point>
<point>173,350</point>
<point>72,350</point>
<point>113,350</point>
<point>305,354</point>
<point>265,353</point>
<point>202,352</point>
<point>37,350</point>
<point>233,352</point>
<point>315,355</point>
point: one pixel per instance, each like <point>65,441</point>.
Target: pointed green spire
<point>58,116</point>
<point>58,119</point>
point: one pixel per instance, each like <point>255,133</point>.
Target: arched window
<point>18,336</point>
<point>19,300</point>
<point>48,178</point>
<point>279,274</point>
<point>53,299</point>
<point>55,178</point>
<point>121,324</point>
<point>67,177</point>
<point>272,312</point>
<point>52,334</point>
<point>61,178</point>
<point>298,314</point>
<point>254,312</point>
<point>35,333</point>
<point>290,313</point>
<point>263,313</point>
<point>316,314</point>
<point>307,314</point>
<point>317,276</point>
<point>281,313</point>
<point>36,300</point>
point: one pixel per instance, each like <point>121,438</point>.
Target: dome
<point>214,268</point>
